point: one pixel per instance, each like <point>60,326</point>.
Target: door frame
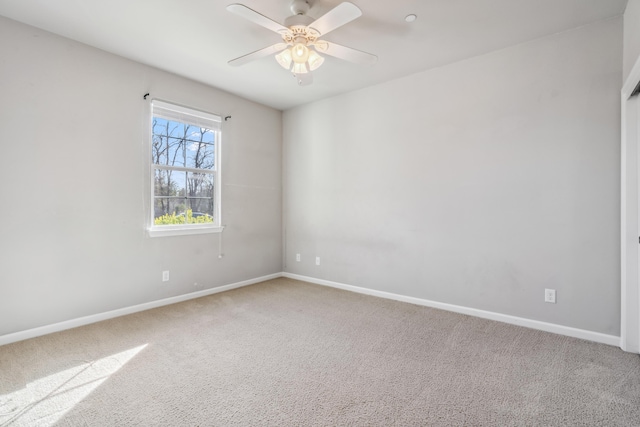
<point>630,214</point>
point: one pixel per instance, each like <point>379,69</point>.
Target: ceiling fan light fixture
<point>284,59</point>
<point>299,49</point>
<point>315,60</point>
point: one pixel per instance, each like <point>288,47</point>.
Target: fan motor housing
<point>301,7</point>
<point>298,21</point>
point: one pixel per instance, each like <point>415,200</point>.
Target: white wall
<point>631,36</point>
<point>477,184</point>
<point>74,180</point>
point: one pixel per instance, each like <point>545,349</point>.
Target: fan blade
<point>346,53</point>
<point>336,17</point>
<point>258,18</point>
<point>258,54</point>
<point>303,79</point>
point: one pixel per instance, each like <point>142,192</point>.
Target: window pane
<point>200,185</point>
<point>178,130</point>
<point>169,141</point>
<point>169,211</point>
<point>171,128</point>
<point>200,210</point>
<point>175,152</point>
<point>209,137</point>
<point>200,155</point>
<point>159,150</point>
<point>169,183</point>
<point>159,126</point>
<point>200,189</point>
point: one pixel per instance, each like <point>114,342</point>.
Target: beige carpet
<point>288,353</point>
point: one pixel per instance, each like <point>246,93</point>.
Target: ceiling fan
<point>299,51</point>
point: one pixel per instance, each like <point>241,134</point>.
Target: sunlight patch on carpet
<point>44,401</point>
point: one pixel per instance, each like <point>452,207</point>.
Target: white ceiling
<point>196,38</point>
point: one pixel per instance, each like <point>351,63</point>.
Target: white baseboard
<point>513,320</point>
<point>533,324</point>
<point>81,321</point>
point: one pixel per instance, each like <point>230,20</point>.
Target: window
<point>185,154</point>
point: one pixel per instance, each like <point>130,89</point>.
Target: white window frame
<point>195,117</point>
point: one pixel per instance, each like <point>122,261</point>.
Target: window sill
<point>183,230</point>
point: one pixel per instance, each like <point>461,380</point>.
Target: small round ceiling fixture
<point>411,17</point>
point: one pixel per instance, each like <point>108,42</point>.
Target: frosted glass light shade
<point>299,68</point>
<point>284,59</point>
<point>314,60</point>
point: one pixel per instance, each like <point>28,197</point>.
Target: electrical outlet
<point>298,257</point>
<point>165,276</point>
<point>550,295</point>
<point>317,260</point>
